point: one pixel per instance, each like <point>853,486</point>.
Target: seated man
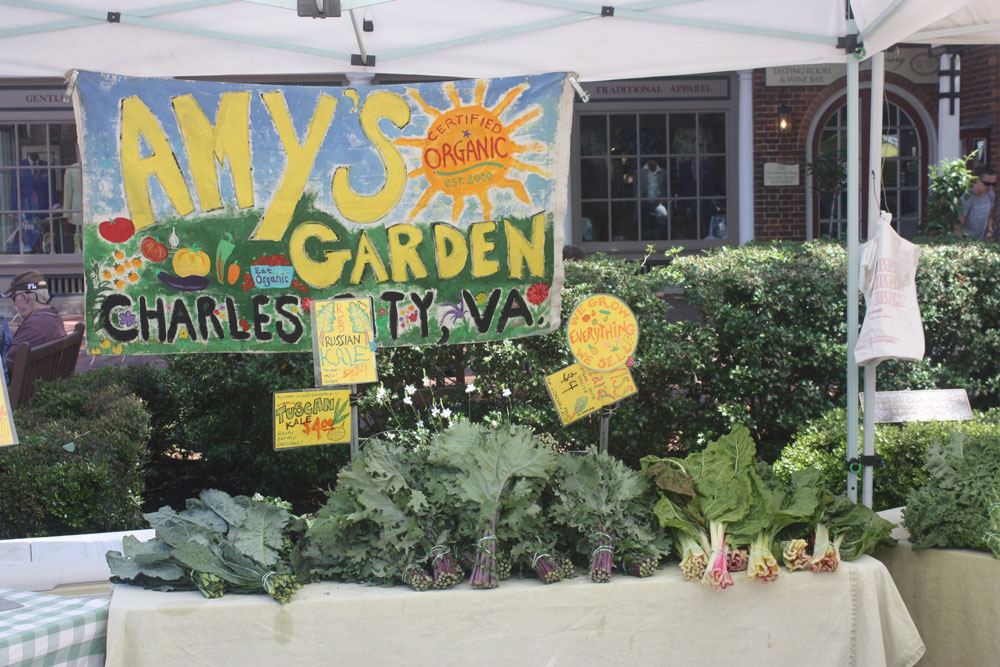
<point>40,322</point>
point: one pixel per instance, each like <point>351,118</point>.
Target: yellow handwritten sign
<point>343,342</point>
<point>602,332</point>
<point>8,434</point>
<point>578,391</point>
<point>572,393</point>
<point>612,386</point>
<point>311,417</point>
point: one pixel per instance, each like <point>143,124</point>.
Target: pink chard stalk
<point>736,559</point>
<point>717,575</point>
<point>796,555</point>
<point>826,554</point>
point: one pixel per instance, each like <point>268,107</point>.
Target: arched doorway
<point>905,151</point>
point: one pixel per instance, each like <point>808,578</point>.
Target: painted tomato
<point>153,250</point>
<point>118,230</point>
<point>191,262</point>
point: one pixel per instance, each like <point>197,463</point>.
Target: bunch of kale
<point>218,544</point>
<point>959,506</point>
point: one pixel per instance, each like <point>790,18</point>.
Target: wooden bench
<point>48,361</point>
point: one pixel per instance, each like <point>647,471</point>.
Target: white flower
<point>427,381</point>
<point>410,390</point>
<point>446,413</point>
<point>408,400</point>
<point>506,392</point>
<point>390,435</point>
<point>469,388</point>
<point>435,412</point>
<point>381,393</point>
<point>420,423</point>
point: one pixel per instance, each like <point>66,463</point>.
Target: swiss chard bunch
<point>679,511</point>
<point>847,530</point>
<point>217,544</point>
<point>495,472</point>
<point>959,507</point>
<point>730,492</point>
<point>606,503</point>
<point>794,504</point>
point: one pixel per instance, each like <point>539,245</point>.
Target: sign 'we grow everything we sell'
<point>215,213</point>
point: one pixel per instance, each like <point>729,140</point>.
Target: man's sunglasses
<point>989,184</point>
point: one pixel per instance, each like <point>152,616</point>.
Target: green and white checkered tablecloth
<point>52,630</point>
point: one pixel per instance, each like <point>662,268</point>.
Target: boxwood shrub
<point>822,444</point>
<point>81,462</point>
<point>769,352</point>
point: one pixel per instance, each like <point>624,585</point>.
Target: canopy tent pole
<point>874,199</point>
<point>853,206</point>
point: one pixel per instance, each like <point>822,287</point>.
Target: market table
<point>852,617</point>
<point>52,630</point>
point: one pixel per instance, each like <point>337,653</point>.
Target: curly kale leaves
<point>959,507</point>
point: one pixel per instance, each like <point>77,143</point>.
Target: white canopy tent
<point>490,38</point>
<point>459,38</point>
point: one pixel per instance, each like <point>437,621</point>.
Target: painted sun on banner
<point>216,212</point>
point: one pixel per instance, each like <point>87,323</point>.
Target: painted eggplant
<point>184,284</point>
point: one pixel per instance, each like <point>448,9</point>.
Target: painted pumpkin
<point>191,262</point>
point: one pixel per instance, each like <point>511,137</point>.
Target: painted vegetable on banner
<point>216,212</point>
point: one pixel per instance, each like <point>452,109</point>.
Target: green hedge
<point>225,419</point>
<point>768,353</point>
<point>775,314</point>
<point>822,444</point>
<point>81,461</point>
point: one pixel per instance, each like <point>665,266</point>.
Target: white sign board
<point>914,65</point>
<point>777,174</point>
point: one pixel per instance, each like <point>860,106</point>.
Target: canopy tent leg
<point>868,444</point>
<point>874,206</point>
<point>853,205</point>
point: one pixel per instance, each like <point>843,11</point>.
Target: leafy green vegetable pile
<point>218,544</point>
<point>720,499</point>
<point>959,507</point>
<point>494,501</point>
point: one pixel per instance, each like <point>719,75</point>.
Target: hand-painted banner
<point>311,417</point>
<point>215,212</point>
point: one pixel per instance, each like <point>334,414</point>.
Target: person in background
<point>40,322</point>
<point>978,208</point>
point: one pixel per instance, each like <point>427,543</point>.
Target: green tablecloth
<point>52,630</point>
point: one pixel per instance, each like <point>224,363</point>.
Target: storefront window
<point>652,176</point>
<point>40,193</point>
<point>901,172</point>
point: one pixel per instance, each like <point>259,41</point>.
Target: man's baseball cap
<point>28,281</point>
